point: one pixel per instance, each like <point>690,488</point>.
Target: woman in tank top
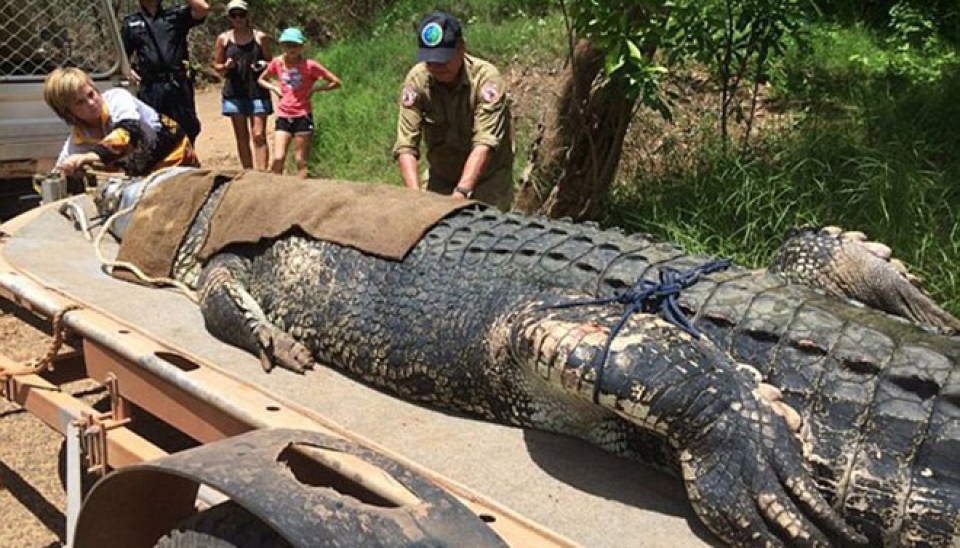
<point>239,56</point>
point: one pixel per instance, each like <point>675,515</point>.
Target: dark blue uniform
<point>157,46</point>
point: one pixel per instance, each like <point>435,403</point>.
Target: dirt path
<point>216,145</point>
<point>31,499</point>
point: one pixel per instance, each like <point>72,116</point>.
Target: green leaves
<point>734,39</point>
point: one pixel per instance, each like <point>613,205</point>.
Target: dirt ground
<point>31,499</point>
<point>216,145</point>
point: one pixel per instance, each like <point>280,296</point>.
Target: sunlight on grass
<point>356,125</point>
<point>864,143</point>
<point>881,168</point>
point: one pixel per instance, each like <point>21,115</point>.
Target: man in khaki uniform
<point>458,103</point>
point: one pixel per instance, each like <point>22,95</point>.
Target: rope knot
<point>650,297</point>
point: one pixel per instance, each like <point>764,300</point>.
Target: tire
<point>226,525</point>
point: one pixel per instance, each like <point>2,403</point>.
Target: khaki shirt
<point>454,119</point>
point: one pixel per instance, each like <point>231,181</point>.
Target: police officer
<point>458,103</point>
<point>156,40</point>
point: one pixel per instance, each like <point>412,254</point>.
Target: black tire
<point>226,525</point>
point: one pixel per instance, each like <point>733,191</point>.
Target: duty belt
<point>167,76</point>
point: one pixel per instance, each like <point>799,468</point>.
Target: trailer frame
<point>189,396</point>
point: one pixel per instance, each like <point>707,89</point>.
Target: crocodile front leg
<point>742,465</point>
<point>232,315</point>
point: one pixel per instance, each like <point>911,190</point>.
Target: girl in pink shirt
<point>298,79</point>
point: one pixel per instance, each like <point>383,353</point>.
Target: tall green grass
<point>876,152</point>
<point>356,125</point>
<point>870,146</point>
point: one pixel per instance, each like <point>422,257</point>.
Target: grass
<point>356,125</point>
<point>742,209</point>
<point>871,142</point>
<point>870,148</point>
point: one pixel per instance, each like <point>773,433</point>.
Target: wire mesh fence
<point>37,36</point>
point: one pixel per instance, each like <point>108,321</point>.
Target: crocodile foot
<point>746,479</point>
<point>848,265</point>
<point>277,347</point>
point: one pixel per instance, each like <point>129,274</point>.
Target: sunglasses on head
<point>237,14</point>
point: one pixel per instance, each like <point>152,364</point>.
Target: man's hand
<point>134,77</point>
<point>77,161</point>
<point>474,166</point>
<point>229,64</point>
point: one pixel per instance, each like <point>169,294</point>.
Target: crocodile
<point>847,265</point>
<point>791,417</point>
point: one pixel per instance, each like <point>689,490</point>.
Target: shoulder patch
<point>490,92</point>
<point>408,97</point>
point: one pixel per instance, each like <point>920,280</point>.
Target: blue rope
<point>651,298</point>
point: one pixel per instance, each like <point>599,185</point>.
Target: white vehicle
<point>37,36</point>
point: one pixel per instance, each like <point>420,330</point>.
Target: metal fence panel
<point>37,36</point>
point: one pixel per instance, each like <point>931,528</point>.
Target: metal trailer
<point>296,452</point>
<point>281,453</point>
<point>310,480</point>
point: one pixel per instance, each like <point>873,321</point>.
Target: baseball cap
<point>437,37</point>
<point>292,34</point>
<point>239,5</point>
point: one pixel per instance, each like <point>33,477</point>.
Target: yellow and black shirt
<point>132,136</point>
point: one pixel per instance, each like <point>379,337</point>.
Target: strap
<point>649,297</point>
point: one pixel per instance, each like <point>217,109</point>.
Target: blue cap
<point>292,34</point>
<point>437,37</point>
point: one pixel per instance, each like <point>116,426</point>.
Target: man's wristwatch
<point>466,192</point>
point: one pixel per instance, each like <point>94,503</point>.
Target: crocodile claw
<point>279,348</point>
<point>746,479</point>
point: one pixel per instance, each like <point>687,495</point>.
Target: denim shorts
<point>247,107</point>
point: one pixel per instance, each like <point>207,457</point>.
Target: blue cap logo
<point>431,35</point>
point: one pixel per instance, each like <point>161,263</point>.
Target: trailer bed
<point>565,485</point>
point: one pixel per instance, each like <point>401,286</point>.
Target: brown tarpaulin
<point>161,220</point>
<point>379,219</point>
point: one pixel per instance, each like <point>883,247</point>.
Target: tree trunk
<point>574,160</point>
